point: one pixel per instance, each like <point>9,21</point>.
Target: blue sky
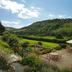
<point>20,13</point>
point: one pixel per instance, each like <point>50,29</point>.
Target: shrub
<point>25,44</point>
<point>30,60</point>
<point>25,51</point>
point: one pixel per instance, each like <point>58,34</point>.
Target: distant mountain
<point>9,28</point>
<point>48,27</point>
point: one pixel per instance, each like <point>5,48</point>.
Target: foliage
<point>59,36</point>
<point>66,70</point>
<point>25,44</point>
<point>33,63</point>
<point>47,28</point>
<point>4,47</point>
<point>30,60</point>
<point>12,41</point>
<point>44,44</point>
<point>3,62</point>
<point>40,43</point>
<point>59,39</point>
<point>39,46</point>
<point>2,28</point>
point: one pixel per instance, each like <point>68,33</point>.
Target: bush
<point>25,51</point>
<point>25,44</point>
<point>30,60</point>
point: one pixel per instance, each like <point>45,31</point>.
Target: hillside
<point>48,27</point>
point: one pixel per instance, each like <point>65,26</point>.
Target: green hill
<point>48,28</point>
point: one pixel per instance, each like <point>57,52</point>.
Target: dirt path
<point>65,61</point>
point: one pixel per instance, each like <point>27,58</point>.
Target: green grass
<point>45,44</point>
<point>5,48</point>
<point>48,37</point>
<point>44,37</point>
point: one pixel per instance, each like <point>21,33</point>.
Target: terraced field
<point>45,44</point>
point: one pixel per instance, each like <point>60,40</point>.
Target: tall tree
<point>2,28</point>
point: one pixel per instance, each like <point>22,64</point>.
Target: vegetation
<point>45,38</point>
<point>2,28</point>
<point>3,62</point>
<point>39,47</point>
<point>4,65</point>
<point>60,27</point>
<point>33,63</point>
<point>31,42</point>
<point>45,44</point>
<point>4,47</point>
<point>12,41</point>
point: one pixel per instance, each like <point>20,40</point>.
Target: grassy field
<point>51,39</point>
<point>45,44</point>
<point>45,37</point>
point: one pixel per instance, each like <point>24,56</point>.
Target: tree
<point>2,28</point>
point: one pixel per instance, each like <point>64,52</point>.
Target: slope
<point>48,28</point>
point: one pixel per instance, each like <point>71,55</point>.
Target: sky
<point>21,13</point>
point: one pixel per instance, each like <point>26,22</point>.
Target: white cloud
<point>53,16</point>
<point>25,14</point>
<point>20,9</point>
<point>14,24</point>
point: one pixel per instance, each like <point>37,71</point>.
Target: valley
<point>42,47</point>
